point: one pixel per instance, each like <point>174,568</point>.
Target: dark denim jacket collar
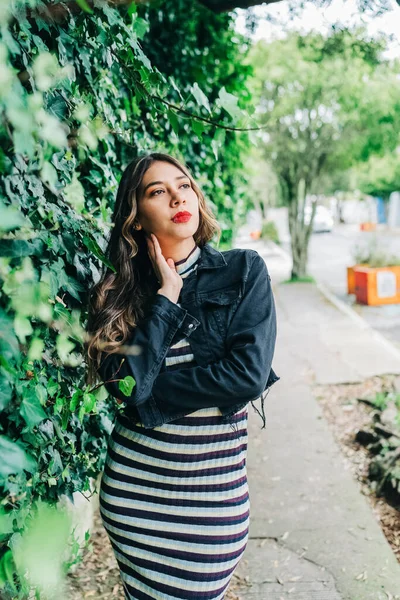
<point>210,258</point>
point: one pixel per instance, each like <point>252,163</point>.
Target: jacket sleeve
<point>242,374</point>
<point>147,347</point>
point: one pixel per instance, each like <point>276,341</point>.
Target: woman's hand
<point>170,280</point>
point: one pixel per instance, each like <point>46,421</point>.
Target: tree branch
<point>219,6</point>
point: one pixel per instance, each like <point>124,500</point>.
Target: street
<point>331,253</point>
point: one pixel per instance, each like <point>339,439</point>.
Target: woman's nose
<point>178,197</point>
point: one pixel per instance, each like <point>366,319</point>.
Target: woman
<point>193,330</point>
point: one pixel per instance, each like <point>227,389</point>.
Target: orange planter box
<point>367,226</point>
<point>351,281</point>
<point>379,285</point>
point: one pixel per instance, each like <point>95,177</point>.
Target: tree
<point>227,5</point>
<point>326,103</point>
<point>379,176</point>
<point>206,57</point>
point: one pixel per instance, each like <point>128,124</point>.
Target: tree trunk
<point>300,232</point>
<point>300,258</point>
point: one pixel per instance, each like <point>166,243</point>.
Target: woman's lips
<point>182,217</point>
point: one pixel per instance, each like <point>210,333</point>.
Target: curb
<point>350,312</point>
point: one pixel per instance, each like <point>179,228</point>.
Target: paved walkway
<point>313,535</point>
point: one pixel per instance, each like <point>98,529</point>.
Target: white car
<point>323,219</point>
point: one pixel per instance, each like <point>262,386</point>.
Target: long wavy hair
<point>118,300</point>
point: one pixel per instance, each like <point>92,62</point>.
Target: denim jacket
<point>227,310</point>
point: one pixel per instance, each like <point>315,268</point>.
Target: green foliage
<point>269,231</point>
<point>380,400</point>
<point>305,279</point>
<point>205,57</point>
<point>80,96</point>
<point>379,176</point>
<point>373,256</point>
<point>327,103</point>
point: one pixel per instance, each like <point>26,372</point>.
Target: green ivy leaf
<point>89,402</point>
<point>5,390</point>
<point>140,27</point>
<point>10,218</point>
<point>36,349</point>
<point>93,246</point>
<point>74,193</point>
<point>7,571</point>
<point>52,387</point>
<point>22,327</point>
<point>75,400</point>
<point>31,410</point>
<point>18,248</point>
<point>84,6</point>
<point>126,385</point>
<point>13,458</point>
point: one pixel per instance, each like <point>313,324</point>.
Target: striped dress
<point>174,499</point>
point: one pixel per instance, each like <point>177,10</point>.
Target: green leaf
<point>84,6</point>
<point>18,248</point>
<point>6,521</point>
<point>41,549</point>
<point>36,349</point>
<point>7,571</point>
<point>218,141</point>
<point>198,127</point>
<point>5,390</point>
<point>93,246</point>
<point>75,400</point>
<point>31,410</point>
<point>74,193</point>
<point>140,27</point>
<point>89,402</point>
<point>13,458</point>
<point>174,121</point>
<point>81,413</point>
<point>200,97</point>
<point>23,327</point>
<point>59,404</point>
<point>10,218</point>
<point>229,102</point>
<point>126,385</point>
<point>52,387</point>
<point>49,175</point>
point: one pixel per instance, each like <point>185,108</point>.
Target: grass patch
<point>305,279</point>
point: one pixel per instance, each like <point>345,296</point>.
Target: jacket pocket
<point>218,307</point>
<point>221,297</point>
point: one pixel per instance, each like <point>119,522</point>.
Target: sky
<point>321,19</point>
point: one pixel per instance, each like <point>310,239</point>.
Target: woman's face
<point>165,191</point>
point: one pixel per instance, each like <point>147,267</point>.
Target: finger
<point>171,264</point>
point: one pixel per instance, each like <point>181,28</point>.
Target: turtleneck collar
<point>186,265</point>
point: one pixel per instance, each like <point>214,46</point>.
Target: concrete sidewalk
<point>313,535</point>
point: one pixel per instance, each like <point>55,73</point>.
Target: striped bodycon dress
<point>174,499</point>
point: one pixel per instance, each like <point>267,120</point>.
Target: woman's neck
<point>177,250</point>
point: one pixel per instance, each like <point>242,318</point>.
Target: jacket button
<point>191,325</point>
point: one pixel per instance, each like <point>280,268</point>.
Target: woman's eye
<point>185,184</point>
<point>155,191</point>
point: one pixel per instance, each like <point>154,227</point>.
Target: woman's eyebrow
<point>161,182</point>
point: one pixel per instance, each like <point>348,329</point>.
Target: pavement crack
<point>302,556</point>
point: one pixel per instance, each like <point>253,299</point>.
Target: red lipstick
<point>181,217</point>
